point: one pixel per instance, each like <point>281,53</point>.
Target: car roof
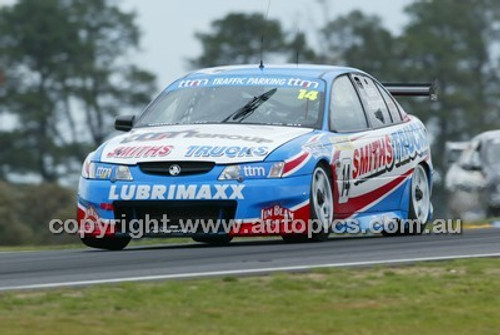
<point>306,70</point>
<point>488,135</point>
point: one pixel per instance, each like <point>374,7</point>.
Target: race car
<point>287,150</point>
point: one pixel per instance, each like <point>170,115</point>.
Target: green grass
<point>454,297</point>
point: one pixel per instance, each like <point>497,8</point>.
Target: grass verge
<point>453,297</point>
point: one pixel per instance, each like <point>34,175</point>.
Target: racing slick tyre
<point>321,200</point>
<point>418,214</point>
<point>493,211</point>
<point>107,242</point>
<point>420,199</point>
<point>213,240</point>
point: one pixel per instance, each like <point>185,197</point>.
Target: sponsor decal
<point>228,81</point>
<point>341,142</point>
<point>193,83</point>
<point>91,214</point>
<point>157,136</point>
<point>254,171</point>
<point>140,151</point>
<point>177,192</point>
<point>225,151</point>
<point>254,81</point>
<point>394,150</point>
<point>276,213</point>
<point>345,185</point>
<point>297,82</point>
<point>103,172</point>
<point>317,148</point>
<point>309,95</point>
<point>373,159</point>
<point>408,143</point>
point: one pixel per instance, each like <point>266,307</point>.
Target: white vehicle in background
<point>453,150</point>
<point>473,182</point>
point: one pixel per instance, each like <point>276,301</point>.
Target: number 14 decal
<point>305,94</point>
<point>345,185</point>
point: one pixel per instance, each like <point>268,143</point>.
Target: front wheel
<point>321,202</point>
<point>106,242</point>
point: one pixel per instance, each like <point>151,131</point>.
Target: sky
<point>168,26</point>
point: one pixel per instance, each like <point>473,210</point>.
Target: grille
<point>175,211</point>
<point>187,168</point>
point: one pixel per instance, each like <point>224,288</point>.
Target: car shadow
<point>242,243</point>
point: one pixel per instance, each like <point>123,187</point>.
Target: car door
<point>374,172</point>
<point>349,124</point>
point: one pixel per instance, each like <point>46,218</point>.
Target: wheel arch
<point>429,173</point>
<point>324,163</point>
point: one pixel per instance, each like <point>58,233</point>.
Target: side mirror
<point>124,122</point>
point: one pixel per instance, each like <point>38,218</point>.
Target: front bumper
<point>196,195</point>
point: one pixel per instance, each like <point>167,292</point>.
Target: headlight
<point>88,168</point>
<point>276,170</point>
<point>122,172</point>
<point>92,170</point>
<point>252,171</point>
<point>231,172</point>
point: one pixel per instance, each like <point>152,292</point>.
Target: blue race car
<point>246,151</point>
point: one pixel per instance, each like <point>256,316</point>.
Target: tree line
<point>65,74</point>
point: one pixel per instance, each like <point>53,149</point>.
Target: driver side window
<point>346,111</point>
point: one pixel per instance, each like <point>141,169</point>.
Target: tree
<point>66,76</point>
<point>237,39</point>
<point>33,53</point>
<point>457,42</point>
<point>299,51</point>
<point>360,41</point>
<point>103,83</point>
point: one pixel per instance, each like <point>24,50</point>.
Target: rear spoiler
<point>414,90</point>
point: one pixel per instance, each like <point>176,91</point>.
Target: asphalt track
<point>79,267</point>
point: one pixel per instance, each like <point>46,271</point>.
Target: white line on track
<point>238,272</point>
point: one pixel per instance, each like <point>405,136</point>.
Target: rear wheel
<point>213,240</point>
<point>418,214</point>
<point>420,200</point>
<point>106,243</point>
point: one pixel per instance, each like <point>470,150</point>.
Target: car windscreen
<point>271,101</point>
<point>493,152</point>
